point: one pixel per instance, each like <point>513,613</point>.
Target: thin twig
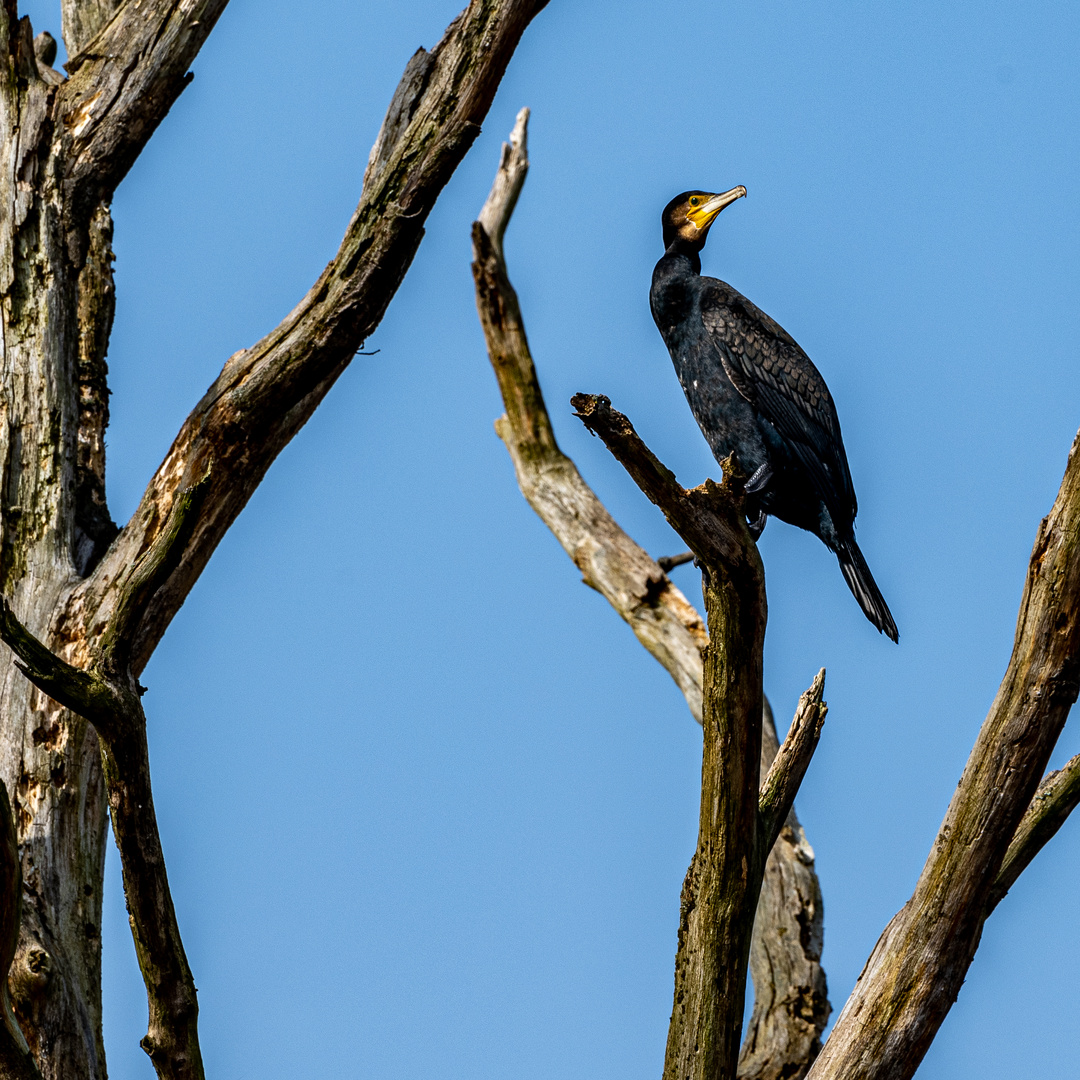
<point>667,563</point>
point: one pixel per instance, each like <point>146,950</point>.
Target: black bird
<point>756,394</point>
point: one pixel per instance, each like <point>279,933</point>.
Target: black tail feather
<point>864,588</point>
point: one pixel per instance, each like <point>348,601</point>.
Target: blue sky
<point>426,803</point>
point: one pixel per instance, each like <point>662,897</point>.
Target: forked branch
<point>783,1039</point>
<point>266,393</point>
<point>111,703</point>
<point>917,967</point>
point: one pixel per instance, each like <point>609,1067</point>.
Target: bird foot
<point>758,479</point>
<point>757,526</point>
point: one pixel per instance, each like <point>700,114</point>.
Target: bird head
<point>688,217</point>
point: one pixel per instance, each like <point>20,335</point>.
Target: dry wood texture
<point>918,966</point>
<point>791,999</point>
<point>792,1008</point>
<point>92,604</point>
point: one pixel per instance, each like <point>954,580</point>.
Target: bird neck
<point>681,258</point>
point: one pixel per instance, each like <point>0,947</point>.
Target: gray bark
<point>64,567</point>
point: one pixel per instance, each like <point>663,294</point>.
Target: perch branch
<point>791,762</point>
<point>783,1038</point>
<point>1054,800</point>
<point>709,518</point>
<point>265,394</point>
<point>917,967</point>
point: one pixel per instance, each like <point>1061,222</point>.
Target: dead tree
<point>1000,815</point>
<point>85,602</point>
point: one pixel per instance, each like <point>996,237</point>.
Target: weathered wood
<point>266,393</point>
<point>108,696</point>
<point>918,965</point>
<point>791,997</point>
<point>1055,799</point>
<point>82,19</point>
<point>722,886</point>
<point>49,759</point>
<point>16,1062</point>
<point>67,144</point>
<point>664,621</point>
<point>791,761</point>
<point>122,83</point>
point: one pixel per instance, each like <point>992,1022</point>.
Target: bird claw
<point>758,479</point>
<point>757,526</point>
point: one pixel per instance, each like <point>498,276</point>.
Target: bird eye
<point>694,201</point>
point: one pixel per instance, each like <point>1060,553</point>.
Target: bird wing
<point>767,367</point>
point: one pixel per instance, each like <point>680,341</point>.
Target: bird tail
<point>864,588</point>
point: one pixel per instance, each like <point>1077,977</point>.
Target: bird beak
<point>702,216</point>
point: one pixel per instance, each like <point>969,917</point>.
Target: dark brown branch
<point>81,691</point>
<point>721,891</point>
<point>790,764</point>
<point>172,1039</point>
<point>1056,798</point>
<point>265,394</point>
<point>669,562</point>
<point>917,967</point>
<point>148,574</point>
<point>122,83</point>
<point>709,518</point>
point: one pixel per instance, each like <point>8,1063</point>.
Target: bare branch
<point>1056,798</point>
<point>148,574</point>
<point>122,83</point>
<point>793,1007</point>
<point>81,691</point>
<point>791,998</point>
<point>172,1039</point>
<point>265,394</point>
<point>789,767</point>
<point>709,518</point>
<point>663,620</point>
<point>669,562</point>
<point>513,167</point>
<point>917,967</point>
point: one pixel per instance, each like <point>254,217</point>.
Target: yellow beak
<point>702,216</point>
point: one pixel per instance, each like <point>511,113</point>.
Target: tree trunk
<point>53,526</point>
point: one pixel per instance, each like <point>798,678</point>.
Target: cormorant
<point>756,394</point>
